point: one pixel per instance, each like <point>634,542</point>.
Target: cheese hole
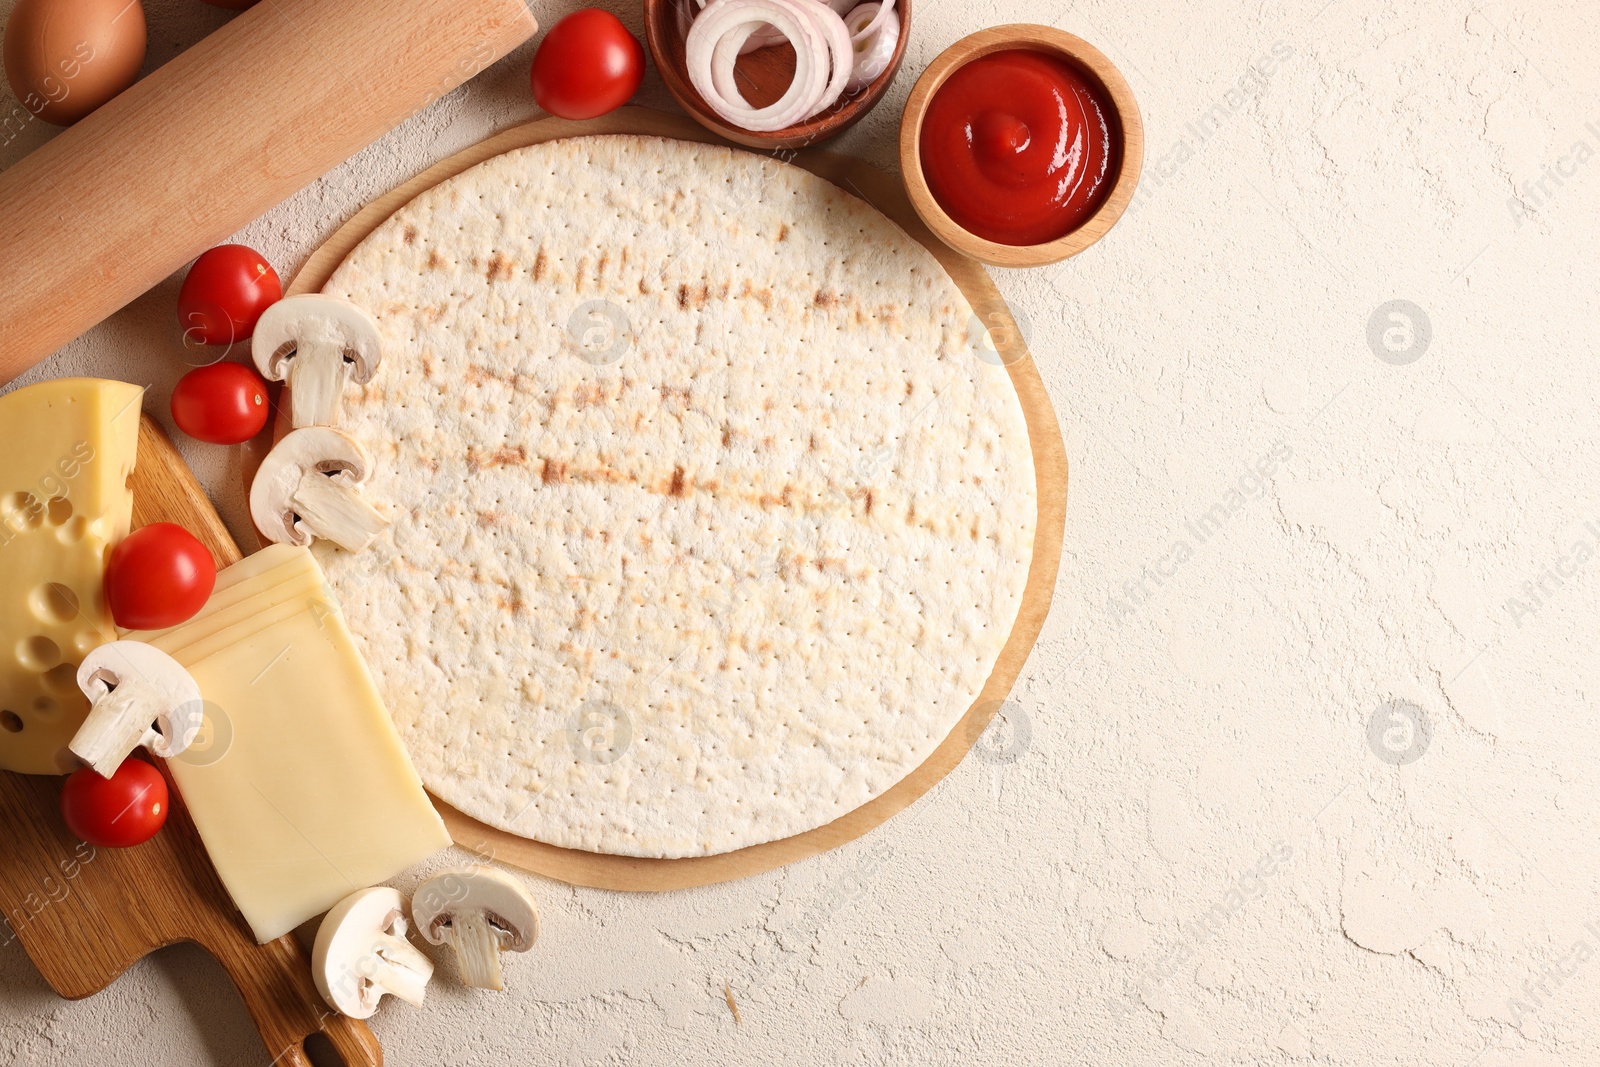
<point>59,510</point>
<point>38,653</point>
<point>53,602</point>
<point>11,722</point>
<point>62,678</point>
<point>46,708</point>
<point>22,511</point>
<point>74,530</point>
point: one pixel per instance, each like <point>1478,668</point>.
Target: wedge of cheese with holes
<point>67,448</point>
<point>298,782</point>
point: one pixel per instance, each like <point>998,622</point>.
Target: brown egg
<point>64,58</point>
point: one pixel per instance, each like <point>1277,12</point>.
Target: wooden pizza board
<point>84,915</point>
<point>885,192</point>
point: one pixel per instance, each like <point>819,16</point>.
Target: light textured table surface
<point>1296,525</point>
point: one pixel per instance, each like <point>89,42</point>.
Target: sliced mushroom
<point>316,344</point>
<point>139,695</point>
<point>361,954</point>
<point>309,486</point>
<point>480,912</point>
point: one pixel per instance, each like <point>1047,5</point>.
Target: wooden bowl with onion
<point>1122,115</point>
<point>764,75</point>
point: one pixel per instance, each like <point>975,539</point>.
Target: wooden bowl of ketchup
<point>1021,145</point>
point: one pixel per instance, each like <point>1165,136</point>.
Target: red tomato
<point>117,812</point>
<point>158,576</point>
<point>224,294</point>
<point>222,404</point>
<point>588,64</point>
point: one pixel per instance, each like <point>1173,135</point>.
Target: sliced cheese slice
<point>237,609</point>
<point>67,448</point>
<point>302,790</point>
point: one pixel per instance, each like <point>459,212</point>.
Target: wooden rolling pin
<point>233,126</point>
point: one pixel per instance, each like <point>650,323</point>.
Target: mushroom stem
<point>138,695</point>
<point>316,383</point>
<point>478,943</point>
<point>118,723</point>
<point>319,344</point>
<point>405,969</point>
<point>332,508</point>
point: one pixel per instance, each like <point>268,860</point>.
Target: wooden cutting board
<point>85,915</point>
<point>885,192</point>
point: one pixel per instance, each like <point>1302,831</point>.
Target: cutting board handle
<point>274,980</point>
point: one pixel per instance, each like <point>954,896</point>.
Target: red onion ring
<point>873,53</point>
<point>824,58</point>
<point>877,21</point>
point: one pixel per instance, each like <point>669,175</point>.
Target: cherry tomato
<point>117,812</point>
<point>222,404</point>
<point>158,576</point>
<point>588,64</point>
<point>224,294</point>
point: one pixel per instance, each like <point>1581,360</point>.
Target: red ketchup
<point>1017,147</point>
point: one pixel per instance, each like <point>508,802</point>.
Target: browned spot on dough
<point>540,262</point>
<point>811,443</point>
<point>750,292</point>
<point>587,396</point>
<point>693,295</point>
<point>499,268</point>
<point>909,388</point>
<point>513,605</point>
<point>479,459</point>
<point>783,232</point>
<point>825,299</point>
<point>410,235</point>
<point>489,518</point>
<point>552,471</point>
<point>477,374</point>
<point>727,436</point>
<point>676,488</point>
<point>974,529</point>
<point>600,268</point>
<point>435,261</point>
<point>870,501</point>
